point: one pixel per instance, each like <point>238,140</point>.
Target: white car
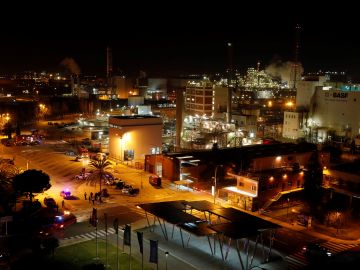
<point>82,176</point>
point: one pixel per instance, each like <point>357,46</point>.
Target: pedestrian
<point>85,195</point>
<point>63,204</point>
<point>91,194</point>
<point>90,198</point>
<point>93,200</point>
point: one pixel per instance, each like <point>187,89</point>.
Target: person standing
<point>85,194</point>
<point>63,204</point>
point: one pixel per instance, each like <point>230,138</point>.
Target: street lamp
<point>166,256</point>
<point>215,178</point>
<point>287,210</point>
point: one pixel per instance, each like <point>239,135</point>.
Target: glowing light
<point>289,104</point>
<point>278,158</point>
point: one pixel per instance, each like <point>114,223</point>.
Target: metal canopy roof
<point>203,205</point>
<point>171,212</point>
<point>244,220</point>
<point>233,231</point>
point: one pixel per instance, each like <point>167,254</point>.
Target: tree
<point>32,181</point>
<point>313,176</point>
<point>100,173</point>
<point>7,173</point>
<point>5,191</point>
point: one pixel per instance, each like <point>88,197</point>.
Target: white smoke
<point>70,64</point>
<point>284,71</point>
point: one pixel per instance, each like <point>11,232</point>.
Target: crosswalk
<point>91,235</point>
<point>298,260</point>
<point>335,248</point>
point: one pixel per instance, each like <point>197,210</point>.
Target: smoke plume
<point>284,71</point>
<point>70,64</point>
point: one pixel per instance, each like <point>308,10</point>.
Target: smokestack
<point>179,115</point>
<point>296,54</point>
<point>230,78</point>
<point>108,62</point>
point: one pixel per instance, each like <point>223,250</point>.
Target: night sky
<point>175,38</point>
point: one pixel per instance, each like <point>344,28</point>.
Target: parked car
<point>155,180</point>
<point>70,153</point>
<point>120,184</point>
<point>82,176</point>
<point>130,190</point>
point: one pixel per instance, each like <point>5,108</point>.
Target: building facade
<point>199,98</point>
<point>133,137</point>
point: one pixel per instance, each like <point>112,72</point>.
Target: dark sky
<point>170,38</point>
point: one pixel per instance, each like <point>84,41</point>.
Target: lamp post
<point>166,257</point>
<point>287,210</point>
<point>215,179</point>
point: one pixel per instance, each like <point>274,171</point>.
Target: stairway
<point>274,199</point>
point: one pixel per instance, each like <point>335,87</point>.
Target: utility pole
<point>215,179</point>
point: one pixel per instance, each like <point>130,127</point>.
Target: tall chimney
<point>179,115</point>
<point>108,62</point>
<point>230,78</point>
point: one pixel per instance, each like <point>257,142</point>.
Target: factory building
<point>126,137</point>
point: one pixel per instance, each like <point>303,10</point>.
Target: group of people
<point>93,197</point>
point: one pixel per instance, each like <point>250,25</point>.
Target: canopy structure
<point>231,225</point>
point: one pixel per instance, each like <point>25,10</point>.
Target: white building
<point>335,110</point>
<point>292,125</point>
<point>133,137</point>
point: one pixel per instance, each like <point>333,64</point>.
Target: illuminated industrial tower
<point>230,81</point>
<point>108,63</point>
<point>109,70</point>
<point>295,70</point>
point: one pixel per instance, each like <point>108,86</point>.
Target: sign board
<point>6,219</point>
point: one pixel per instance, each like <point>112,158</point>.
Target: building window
<point>128,155</point>
<point>241,184</point>
<point>253,188</point>
<point>155,150</point>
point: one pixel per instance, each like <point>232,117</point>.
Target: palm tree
<point>100,173</point>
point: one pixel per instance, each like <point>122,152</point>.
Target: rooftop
<point>133,116</point>
<point>248,152</point>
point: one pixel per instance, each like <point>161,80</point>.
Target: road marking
<point>337,247</point>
